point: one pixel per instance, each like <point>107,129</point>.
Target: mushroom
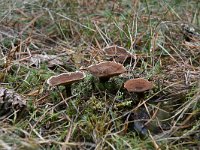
<point>119,54</point>
<point>66,79</point>
<point>139,86</point>
<point>105,70</point>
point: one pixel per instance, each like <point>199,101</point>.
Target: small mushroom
<point>66,79</point>
<point>105,70</point>
<point>119,54</point>
<point>139,86</point>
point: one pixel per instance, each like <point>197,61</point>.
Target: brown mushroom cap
<point>65,78</point>
<point>138,85</point>
<point>120,53</point>
<point>106,69</point>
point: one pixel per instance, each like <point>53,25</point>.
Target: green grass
<point>95,117</point>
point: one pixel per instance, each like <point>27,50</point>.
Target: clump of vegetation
<point>39,39</point>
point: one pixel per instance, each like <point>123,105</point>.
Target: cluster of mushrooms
<point>104,71</point>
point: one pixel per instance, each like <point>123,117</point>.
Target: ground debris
<point>52,60</point>
<point>10,102</point>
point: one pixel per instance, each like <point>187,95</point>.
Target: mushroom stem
<point>140,96</point>
<point>68,90</point>
<point>104,79</point>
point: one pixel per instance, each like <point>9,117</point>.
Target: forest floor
<point>39,39</point>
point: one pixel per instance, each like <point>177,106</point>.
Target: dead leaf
<point>52,60</point>
<point>10,102</point>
